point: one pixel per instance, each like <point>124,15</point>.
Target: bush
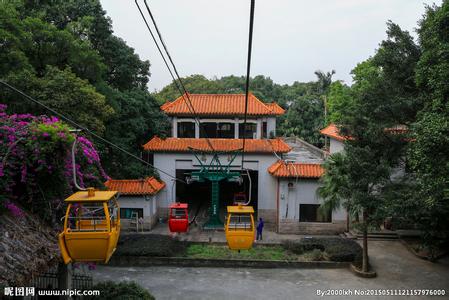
<point>314,255</point>
<point>299,247</point>
<point>339,253</point>
<point>334,248</point>
<point>149,245</point>
<point>117,291</point>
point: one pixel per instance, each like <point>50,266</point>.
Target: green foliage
<point>64,54</point>
<point>428,156</point>
<point>223,252</point>
<point>331,248</point>
<point>127,290</point>
<point>137,119</point>
<point>36,166</point>
<point>402,84</point>
<point>304,119</point>
<point>314,255</point>
<point>339,102</point>
<point>382,96</point>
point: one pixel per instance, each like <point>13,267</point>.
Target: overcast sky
<point>292,38</point>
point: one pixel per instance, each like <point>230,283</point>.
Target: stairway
<point>383,235</point>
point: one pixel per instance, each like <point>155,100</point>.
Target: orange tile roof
<point>157,144</point>
<point>299,170</point>
<point>333,132</point>
<point>221,104</point>
<point>276,108</point>
<point>147,186</point>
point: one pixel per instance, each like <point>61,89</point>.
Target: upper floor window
<point>226,130</point>
<point>264,130</point>
<point>186,129</point>
<point>217,130</point>
<point>249,132</point>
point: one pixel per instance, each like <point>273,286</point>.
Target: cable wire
<point>182,89</point>
<point>67,119</point>
<point>248,68</point>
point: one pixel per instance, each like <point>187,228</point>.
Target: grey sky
<point>292,38</point>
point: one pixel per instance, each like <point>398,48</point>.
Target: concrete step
<point>376,235</point>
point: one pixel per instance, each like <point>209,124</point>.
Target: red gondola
<point>178,219</point>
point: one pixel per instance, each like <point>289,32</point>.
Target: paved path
<point>396,268</point>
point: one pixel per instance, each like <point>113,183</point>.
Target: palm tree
<point>324,80</point>
<point>324,83</point>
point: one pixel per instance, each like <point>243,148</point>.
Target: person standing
<point>259,230</point>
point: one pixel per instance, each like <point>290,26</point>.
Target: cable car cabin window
<point>186,129</point>
<point>311,213</point>
<point>87,217</point>
<point>126,213</point>
<point>113,210</point>
<point>249,132</point>
<point>178,213</point>
<point>240,222</point>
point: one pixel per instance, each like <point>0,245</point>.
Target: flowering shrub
<point>36,164</point>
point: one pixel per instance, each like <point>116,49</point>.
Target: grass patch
<point>223,252</point>
<point>205,251</point>
<point>306,249</point>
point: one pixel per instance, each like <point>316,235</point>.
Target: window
<point>311,213</point>
<point>127,213</point>
<point>264,130</point>
<point>240,222</point>
<point>249,132</point>
<point>186,129</point>
<point>88,216</point>
<point>178,213</point>
<point>217,130</point>
<point>208,130</point>
<point>226,130</point>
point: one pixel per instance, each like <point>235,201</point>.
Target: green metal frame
<point>215,172</point>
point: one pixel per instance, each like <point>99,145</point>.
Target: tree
<point>324,80</point>
<point>137,119</point>
<point>36,165</point>
<point>429,153</point>
<point>339,102</point>
<point>64,54</point>
<point>381,97</point>
<point>63,91</point>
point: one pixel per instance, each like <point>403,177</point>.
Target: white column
<point>258,129</point>
<point>174,127</point>
<point>236,128</point>
<point>197,130</point>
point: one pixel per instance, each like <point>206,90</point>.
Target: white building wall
<point>302,192</point>
<point>335,146</point>
<point>169,162</point>
<point>138,202</point>
<point>271,126</point>
<point>147,203</point>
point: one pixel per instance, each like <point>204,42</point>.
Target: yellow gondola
<point>91,227</point>
<point>239,227</point>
